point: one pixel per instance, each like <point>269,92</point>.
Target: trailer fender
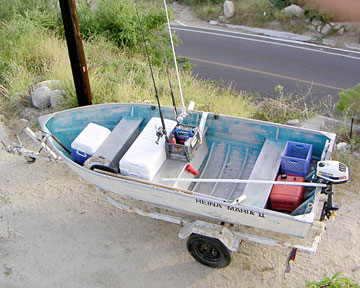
<point>220,232</point>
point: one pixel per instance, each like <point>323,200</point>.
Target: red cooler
<point>286,198</point>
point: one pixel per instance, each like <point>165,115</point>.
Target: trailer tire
<point>208,251</point>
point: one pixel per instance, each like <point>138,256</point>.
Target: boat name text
<point>230,208</point>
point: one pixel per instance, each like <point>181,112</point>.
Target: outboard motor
<point>330,172</point>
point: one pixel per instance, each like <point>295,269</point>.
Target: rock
<point>327,29</point>
<point>311,28</point>
<point>52,84</point>
<point>321,123</point>
<point>336,25</point>
<point>342,146</point>
<point>40,98</point>
<point>294,10</point>
<point>341,31</point>
<point>222,19</point>
<point>316,23</point>
<point>346,25</point>
<point>293,122</point>
<point>352,46</point>
<point>229,9</point>
<point>212,22</point>
<point>55,96</point>
<point>318,29</point>
<point>24,121</point>
<point>329,42</point>
<point>2,118</point>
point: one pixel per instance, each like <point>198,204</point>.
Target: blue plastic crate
<point>296,158</point>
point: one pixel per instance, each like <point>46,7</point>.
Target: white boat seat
<point>145,157</point>
<point>266,168</point>
<point>108,155</point>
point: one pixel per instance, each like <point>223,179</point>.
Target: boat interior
<point>224,147</point>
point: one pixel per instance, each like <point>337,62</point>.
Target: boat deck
<point>225,160</point>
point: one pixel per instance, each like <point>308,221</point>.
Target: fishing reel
<point>330,172</point>
<point>160,132</point>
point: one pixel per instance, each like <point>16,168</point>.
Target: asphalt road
<point>259,63</point>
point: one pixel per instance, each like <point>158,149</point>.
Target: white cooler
<point>88,141</point>
<point>144,158</point>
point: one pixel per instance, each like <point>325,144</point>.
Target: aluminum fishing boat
<point>222,149</point>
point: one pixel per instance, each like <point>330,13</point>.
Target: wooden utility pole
<point>76,51</point>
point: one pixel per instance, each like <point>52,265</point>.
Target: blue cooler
<point>88,141</point>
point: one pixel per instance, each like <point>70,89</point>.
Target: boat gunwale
<point>45,118</point>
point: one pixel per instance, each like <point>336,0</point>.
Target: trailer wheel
<point>208,251</point>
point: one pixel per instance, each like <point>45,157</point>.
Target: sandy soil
<point>58,231</point>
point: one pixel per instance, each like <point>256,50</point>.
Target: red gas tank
<point>286,198</point>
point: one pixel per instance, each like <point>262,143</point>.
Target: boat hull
<point>195,204</point>
<point>67,124</point>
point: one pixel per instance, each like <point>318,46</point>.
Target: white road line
<point>274,43</point>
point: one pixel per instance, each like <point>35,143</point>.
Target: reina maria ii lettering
<point>231,208</point>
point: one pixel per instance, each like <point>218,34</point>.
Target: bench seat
<point>266,168</point>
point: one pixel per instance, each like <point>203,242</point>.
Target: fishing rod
<point>166,63</point>
<point>161,130</point>
<point>184,112</point>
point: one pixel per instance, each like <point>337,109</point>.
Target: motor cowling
<point>332,171</point>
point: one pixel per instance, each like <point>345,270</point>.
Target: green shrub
<point>349,102</point>
<point>314,14</point>
<point>349,106</point>
<point>11,8</point>
<point>114,20</point>
<point>280,4</point>
<point>334,282</point>
<point>117,21</point>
